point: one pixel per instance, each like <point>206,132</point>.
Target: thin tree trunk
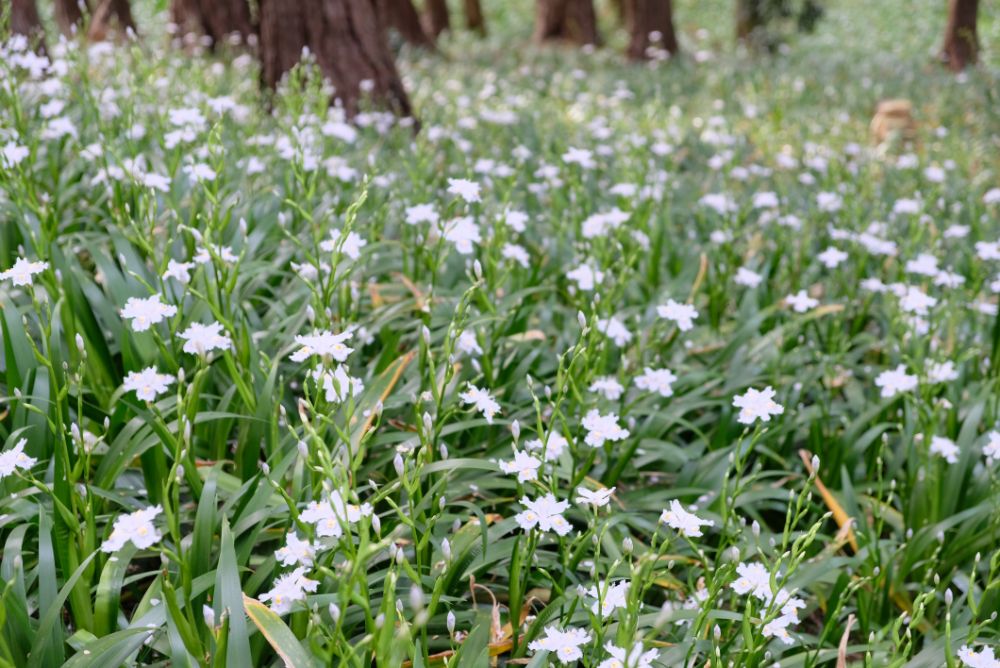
<point>570,20</point>
<point>24,20</point>
<point>438,20</point>
<point>961,41</point>
<point>646,20</point>
<point>68,15</point>
<point>100,22</point>
<point>402,16</point>
<point>474,19</point>
<point>348,41</point>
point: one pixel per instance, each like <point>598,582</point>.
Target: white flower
<point>657,380</point>
<point>992,448</point>
<point>13,154</point>
<point>179,271</point>
<point>829,202</point>
<point>350,245</point>
<point>464,233</point>
<point>945,447</point>
<point>553,448</point>
<point>748,278</point>
<point>942,372</point>
<point>136,527</point>
<point>467,343</point>
<point>421,213</point>
<point>147,312</point>
<point>683,522</point>
<point>895,381</point>
<point>13,459</point>
<point>148,383</point>
<point>602,428</point>
<point>482,400</point>
<point>801,302</point>
<point>753,579</point>
<point>832,257</point>
<point>985,657</point>
<point>757,404</point>
<point>545,513</point>
<point>338,385</point>
<point>288,589</point>
<point>332,515</point>
<point>467,190</point>
<point>634,657</point>
<point>778,628</point>
<point>585,277</point>
<point>682,314</point>
<point>615,330</point>
<point>992,196</point>
<point>564,644</point>
<point>516,253</point>
<point>524,465</point>
<point>609,387</point>
<point>296,551</point>
<point>915,301</point>
<point>200,339</point>
<point>325,344</point>
<point>598,498</point>
<point>200,172</point>
<point>23,271</point>
<point>612,597</point>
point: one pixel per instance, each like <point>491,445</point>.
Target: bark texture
<point>68,15</point>
<point>24,20</point>
<point>108,11</point>
<point>438,20</point>
<point>646,19</point>
<point>402,16</point>
<point>474,19</point>
<point>218,19</point>
<point>569,20</point>
<point>347,40</point>
<point>961,40</point>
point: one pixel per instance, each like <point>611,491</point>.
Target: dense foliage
<point>659,365</point>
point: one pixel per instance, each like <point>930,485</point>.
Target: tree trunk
<point>218,19</point>
<point>570,20</point>
<point>650,23</point>
<point>474,16</point>
<point>68,15</point>
<point>100,22</point>
<point>402,16</point>
<point>437,17</point>
<point>750,15</point>
<point>24,20</point>
<point>348,41</point>
<point>961,42</point>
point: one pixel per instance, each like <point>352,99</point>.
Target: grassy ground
<point>601,306</point>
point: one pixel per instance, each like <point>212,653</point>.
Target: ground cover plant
<point>608,365</point>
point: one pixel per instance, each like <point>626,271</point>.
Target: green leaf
<point>278,635</point>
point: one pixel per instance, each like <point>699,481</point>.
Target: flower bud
<point>397,463</point>
<point>446,549</point>
<point>334,611</point>
<point>450,621</point>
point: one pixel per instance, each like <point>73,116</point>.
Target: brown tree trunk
<point>218,19</point>
<point>749,20</point>
<point>68,15</point>
<point>437,17</point>
<point>474,19</point>
<point>961,42</point>
<point>646,20</point>
<point>24,20</point>
<point>402,16</point>
<point>570,20</point>
<point>100,22</point>
<point>348,41</point>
